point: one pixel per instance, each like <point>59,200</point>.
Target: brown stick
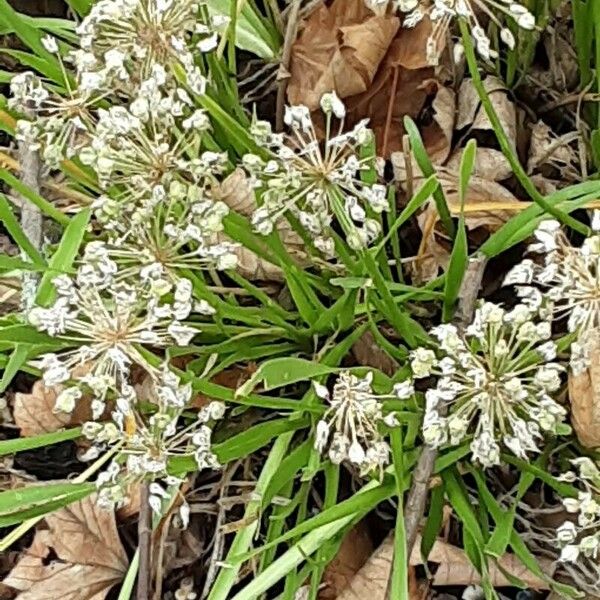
<point>417,495</point>
<point>144,544</point>
<point>283,76</point>
<point>31,217</point>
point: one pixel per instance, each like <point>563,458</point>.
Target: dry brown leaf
<point>238,194</point>
<point>472,114</point>
<point>484,198</point>
<point>355,550</point>
<point>490,164</point>
<point>378,68</point>
<point>339,48</point>
<point>553,158</point>
<point>453,568</point>
<point>90,557</point>
<point>401,87</point>
<point>437,137</point>
<point>34,412</point>
<point>584,393</point>
<point>369,353</point>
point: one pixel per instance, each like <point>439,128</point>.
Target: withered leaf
<point>34,412</point>
<point>472,114</point>
<point>90,557</point>
<point>486,207</point>
<point>339,48</point>
<point>355,550</point>
<point>584,394</point>
<point>238,194</point>
<point>401,87</point>
<point>453,568</point>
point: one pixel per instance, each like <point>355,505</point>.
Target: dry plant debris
<point>584,395</point>
<point>78,557</point>
<point>453,569</point>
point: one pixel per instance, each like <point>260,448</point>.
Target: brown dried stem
<point>31,217</point>
<point>283,76</point>
<point>417,495</point>
<point>144,544</point>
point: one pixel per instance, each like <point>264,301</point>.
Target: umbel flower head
<point>140,149</point>
<point>350,427</point>
<point>60,124</point>
<point>122,40</point>
<point>580,540</point>
<point>494,382</point>
<point>109,322</point>
<point>444,11</point>
<point>316,182</point>
<point>567,284</point>
<point>147,444</point>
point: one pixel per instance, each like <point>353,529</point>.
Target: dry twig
<point>283,76</point>
<point>31,217</point>
<point>144,544</point>
<point>417,495</point>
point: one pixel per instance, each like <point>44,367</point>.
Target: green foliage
<point>306,328</point>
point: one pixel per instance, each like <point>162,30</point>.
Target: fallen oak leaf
<point>90,557</point>
<point>584,395</point>
<point>401,87</point>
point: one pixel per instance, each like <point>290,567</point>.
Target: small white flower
<point>356,454</point>
<point>566,533</point>
<point>50,44</point>
<point>403,390</point>
<point>422,362</point>
<point>330,103</point>
<point>182,334</point>
<point>569,553</point>
<point>67,400</point>
<point>507,37</point>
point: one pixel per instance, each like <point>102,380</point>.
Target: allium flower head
<point>580,540</point>
<point>122,41</point>
<point>444,11</point>
<point>109,321</point>
<point>147,444</point>
<point>495,381</point>
<point>567,284</point>
<point>60,124</point>
<point>316,182</point>
<point>350,427</point>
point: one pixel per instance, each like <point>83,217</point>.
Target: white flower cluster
<point>122,40</point>
<point>110,322</point>
<point>145,147</point>
<point>442,12</point>
<point>147,446</point>
<point>580,540</point>
<point>567,285</point>
<point>130,115</point>
<point>61,124</point>
<point>314,182</point>
<point>350,427</point>
<point>495,383</point>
